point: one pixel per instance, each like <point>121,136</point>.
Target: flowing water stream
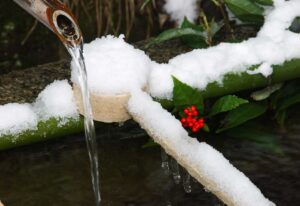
<point>76,51</point>
<point>58,18</point>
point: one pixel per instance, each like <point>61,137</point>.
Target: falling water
<point>76,51</point>
<point>58,18</point>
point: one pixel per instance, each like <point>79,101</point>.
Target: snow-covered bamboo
<point>202,161</point>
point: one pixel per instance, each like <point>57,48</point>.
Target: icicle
<point>186,181</point>
<point>121,124</point>
<point>165,161</point>
<point>175,171</point>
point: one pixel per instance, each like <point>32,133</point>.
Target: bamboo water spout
<point>56,16</point>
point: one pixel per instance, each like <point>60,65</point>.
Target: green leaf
<point>281,117</point>
<point>165,103</point>
<point>184,95</point>
<point>264,2</point>
<point>266,92</point>
<point>258,133</point>
<point>241,115</point>
<point>215,27</point>
<point>226,103</point>
<point>288,91</point>
<point>290,101</point>
<point>295,27</point>
<point>194,41</point>
<point>246,10</point>
<point>200,41</point>
<point>206,128</point>
<point>176,33</point>
<point>187,24</point>
<point>150,143</point>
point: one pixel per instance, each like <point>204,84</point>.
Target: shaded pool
<point>57,172</point>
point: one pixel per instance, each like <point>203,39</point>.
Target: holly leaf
<point>184,95</point>
<point>241,115</point>
<point>226,103</point>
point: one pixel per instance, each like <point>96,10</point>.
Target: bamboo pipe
<point>56,16</point>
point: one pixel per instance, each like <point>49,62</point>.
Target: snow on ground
<point>55,101</point>
<point>210,164</point>
<point>178,9</point>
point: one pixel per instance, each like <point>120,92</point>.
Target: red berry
<point>189,119</point>
<point>193,108</point>
<point>183,120</point>
<point>186,111</point>
<point>195,129</point>
<point>195,113</point>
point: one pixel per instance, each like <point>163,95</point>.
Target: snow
<point>273,45</point>
<point>178,9</point>
<point>55,101</point>
<point>110,60</point>
<point>16,118</point>
<point>209,163</point>
<point>115,67</point>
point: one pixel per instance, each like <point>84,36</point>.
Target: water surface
<point>57,172</point>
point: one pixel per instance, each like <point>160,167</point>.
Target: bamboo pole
<point>232,83</point>
<point>46,130</point>
<point>201,168</point>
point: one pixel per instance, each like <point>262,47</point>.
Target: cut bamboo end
<point>110,108</point>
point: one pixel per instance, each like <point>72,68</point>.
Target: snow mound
<point>57,101</point>
<point>16,118</point>
<point>178,9</point>
<point>113,66</point>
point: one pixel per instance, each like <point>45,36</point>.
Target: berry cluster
<point>192,121</point>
